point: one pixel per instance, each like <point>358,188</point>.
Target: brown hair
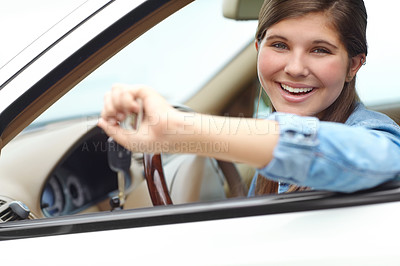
<point>349,18</point>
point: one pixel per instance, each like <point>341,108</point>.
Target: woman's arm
<point>334,156</point>
<point>165,129</point>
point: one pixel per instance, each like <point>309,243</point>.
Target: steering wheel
<point>157,185</point>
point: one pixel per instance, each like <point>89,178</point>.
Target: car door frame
<point>23,101</point>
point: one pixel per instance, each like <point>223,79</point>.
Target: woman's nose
<point>296,65</point>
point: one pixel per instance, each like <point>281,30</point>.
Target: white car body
<point>304,228</point>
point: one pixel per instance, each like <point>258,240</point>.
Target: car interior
<point>61,168</point>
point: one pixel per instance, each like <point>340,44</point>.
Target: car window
<point>182,53</point>
<point>176,57</point>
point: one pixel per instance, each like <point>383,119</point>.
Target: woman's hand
<point>158,118</point>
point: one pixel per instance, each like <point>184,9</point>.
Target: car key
<point>119,160</point>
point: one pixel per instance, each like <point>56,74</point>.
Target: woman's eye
<point>321,51</point>
<point>280,46</point>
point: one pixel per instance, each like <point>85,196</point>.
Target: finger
<point>128,102</point>
<point>109,112</point>
<point>108,109</point>
<point>116,132</point>
<point>115,99</point>
<point>117,103</point>
<point>125,97</point>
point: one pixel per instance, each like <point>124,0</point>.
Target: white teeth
<point>296,90</point>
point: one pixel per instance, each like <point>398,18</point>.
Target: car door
<point>303,228</point>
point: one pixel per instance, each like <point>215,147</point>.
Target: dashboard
<point>61,168</point>
<point>81,179</point>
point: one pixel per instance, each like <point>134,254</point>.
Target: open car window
<point>59,169</point>
<point>178,57</point>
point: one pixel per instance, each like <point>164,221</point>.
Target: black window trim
<point>195,212</point>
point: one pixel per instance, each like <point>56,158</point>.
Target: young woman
<point>319,136</point>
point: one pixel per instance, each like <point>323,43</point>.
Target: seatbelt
<point>232,176</point>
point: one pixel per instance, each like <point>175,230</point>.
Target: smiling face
<point>303,65</point>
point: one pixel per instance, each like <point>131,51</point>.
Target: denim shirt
<point>362,153</point>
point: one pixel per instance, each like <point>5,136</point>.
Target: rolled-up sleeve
<point>331,156</point>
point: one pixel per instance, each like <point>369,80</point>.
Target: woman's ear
<point>256,44</point>
<point>355,64</point>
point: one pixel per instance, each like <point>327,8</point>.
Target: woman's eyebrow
<point>272,37</point>
<point>319,42</point>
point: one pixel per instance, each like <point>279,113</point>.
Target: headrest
<point>242,9</point>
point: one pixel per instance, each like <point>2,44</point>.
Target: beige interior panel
<point>219,92</point>
<point>242,9</point>
<point>27,161</point>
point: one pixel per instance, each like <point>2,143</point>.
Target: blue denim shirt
<point>362,153</point>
